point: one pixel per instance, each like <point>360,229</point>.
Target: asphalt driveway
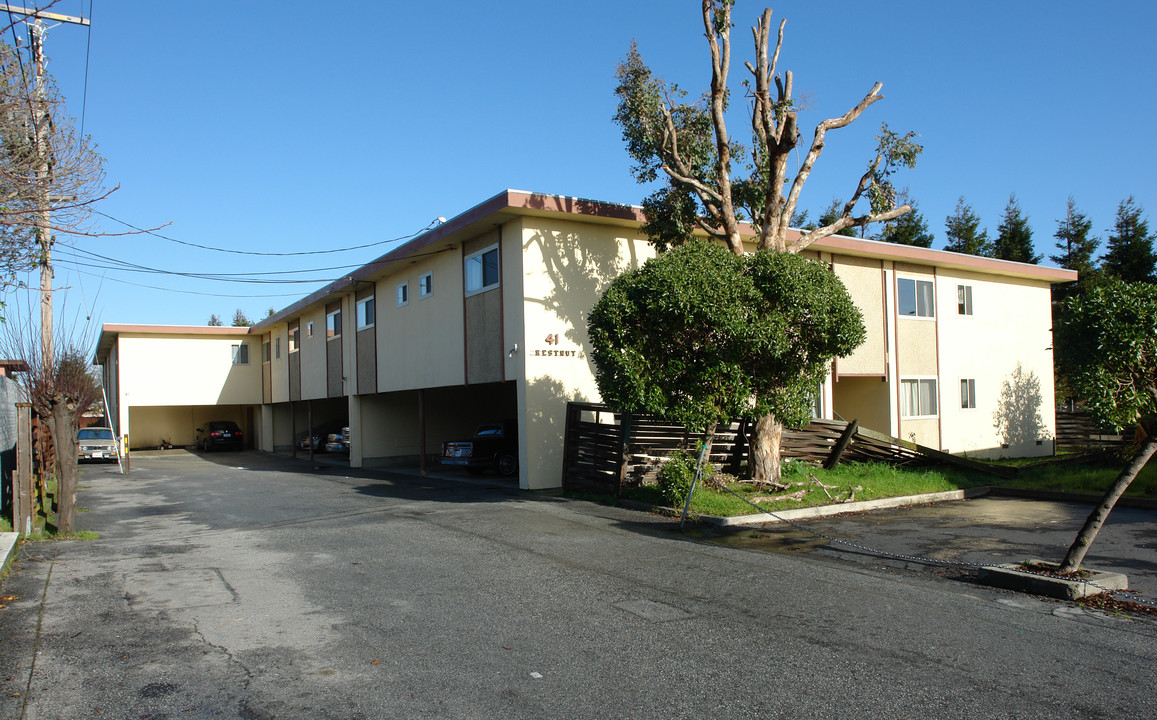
<point>245,585</point>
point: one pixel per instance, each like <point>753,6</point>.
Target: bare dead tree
<point>70,184</point>
<point>61,388</point>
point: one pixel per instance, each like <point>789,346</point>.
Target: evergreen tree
<point>834,212</point>
<point>908,229</point>
<point>1129,247</point>
<point>1014,236</point>
<point>1076,248</point>
<point>239,319</point>
<point>962,230</point>
<point>215,320</point>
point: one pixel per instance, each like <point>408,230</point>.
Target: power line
<point>267,254</point>
<point>174,290</point>
<point>208,275</point>
<point>87,53</point>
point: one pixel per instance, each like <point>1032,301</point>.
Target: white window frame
<point>333,324</point>
<point>241,354</point>
<point>426,286</point>
<point>364,316</point>
<point>266,351</point>
<point>930,390</point>
<point>277,348</point>
<point>309,328</point>
<point>403,294</point>
<point>964,300</point>
<point>474,281</point>
<point>295,339</point>
<point>967,393</point>
<point>929,297</point>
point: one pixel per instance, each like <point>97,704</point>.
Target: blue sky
<point>296,126</point>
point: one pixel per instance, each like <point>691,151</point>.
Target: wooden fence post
<point>22,480</point>
<point>625,449</point>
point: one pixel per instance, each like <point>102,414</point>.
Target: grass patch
<point>1089,478</point>
<point>869,481</point>
<point>873,481</point>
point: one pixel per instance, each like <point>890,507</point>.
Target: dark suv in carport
<point>220,434</point>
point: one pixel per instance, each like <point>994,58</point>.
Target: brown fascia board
<point>506,204</point>
<point>511,203</point>
<point>110,331</point>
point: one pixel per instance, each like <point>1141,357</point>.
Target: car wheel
<point>507,464</point>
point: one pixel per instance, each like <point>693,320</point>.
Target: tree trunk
<point>64,427</point>
<point>765,456</point>
<point>1097,518</point>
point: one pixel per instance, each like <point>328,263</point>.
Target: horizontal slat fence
<point>605,451</point>
<point>1076,431</point>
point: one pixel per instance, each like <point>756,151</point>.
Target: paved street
<point>254,586</point>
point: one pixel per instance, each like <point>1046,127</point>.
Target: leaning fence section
<point>605,451</point>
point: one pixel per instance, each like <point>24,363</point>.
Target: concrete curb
<point>842,508</point>
<point>1014,577</point>
<point>7,547</point>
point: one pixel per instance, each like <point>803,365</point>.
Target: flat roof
<point>110,331</point>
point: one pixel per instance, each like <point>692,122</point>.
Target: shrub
<point>675,476</point>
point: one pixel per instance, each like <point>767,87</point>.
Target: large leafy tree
<point>1014,236</point>
<point>1129,248</point>
<point>1076,248</point>
<point>713,183</point>
<point>700,335</point>
<point>910,228</point>
<point>1106,342</point>
<point>963,233</point>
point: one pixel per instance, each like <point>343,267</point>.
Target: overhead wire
<point>264,254</point>
<point>87,54</point>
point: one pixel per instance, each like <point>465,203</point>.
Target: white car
<point>96,443</point>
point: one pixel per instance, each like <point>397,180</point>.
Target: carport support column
<point>357,447</point>
<point>422,432</point>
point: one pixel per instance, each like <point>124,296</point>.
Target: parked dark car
<point>493,447</point>
<point>96,443</point>
<point>220,434</point>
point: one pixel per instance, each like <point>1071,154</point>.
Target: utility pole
<point>41,124</point>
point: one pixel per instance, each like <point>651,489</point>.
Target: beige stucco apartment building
<point>484,318</point>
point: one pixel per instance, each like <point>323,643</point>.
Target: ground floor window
<point>918,397</point>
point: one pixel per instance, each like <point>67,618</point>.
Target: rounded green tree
<point>700,335</point>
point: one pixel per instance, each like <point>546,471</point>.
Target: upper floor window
<point>426,286</point>
<point>309,329</point>
<point>403,294</point>
<point>294,338</point>
<point>482,270</point>
<point>332,324</point>
<point>366,313</point>
<point>964,299</point>
<point>265,351</point>
<point>915,297</point>
<point>968,394</point>
<point>277,348</point>
<point>918,397</point>
<point>241,354</point>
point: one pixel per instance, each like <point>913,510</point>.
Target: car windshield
<point>489,430</point>
<point>94,434</point>
<point>223,425</point>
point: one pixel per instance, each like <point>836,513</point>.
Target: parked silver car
<point>96,443</point>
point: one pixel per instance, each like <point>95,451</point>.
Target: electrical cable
<point>87,54</point>
<point>264,254</point>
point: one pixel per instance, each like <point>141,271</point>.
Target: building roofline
<point>525,203</point>
<point>110,331</point>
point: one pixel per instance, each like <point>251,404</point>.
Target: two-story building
<point>484,318</point>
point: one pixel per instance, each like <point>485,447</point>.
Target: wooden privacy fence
<point>605,451</point>
<point>1076,431</point>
